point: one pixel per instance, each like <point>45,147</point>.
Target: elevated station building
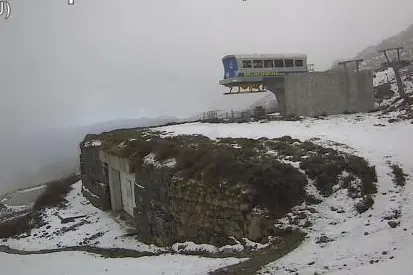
<point>299,90</point>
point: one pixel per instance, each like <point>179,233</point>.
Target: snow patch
<point>193,247</point>
<point>140,186</point>
<point>150,159</point>
<point>93,143</point>
<point>74,263</point>
<point>32,189</point>
<point>237,247</point>
<point>89,193</point>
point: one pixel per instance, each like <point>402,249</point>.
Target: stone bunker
<point>192,188</point>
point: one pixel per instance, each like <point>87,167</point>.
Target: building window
<point>268,63</point>
<point>289,63</point>
<point>279,63</point>
<point>246,64</point>
<point>299,63</point>
<point>257,64</point>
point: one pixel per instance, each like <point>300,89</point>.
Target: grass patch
<point>399,177</point>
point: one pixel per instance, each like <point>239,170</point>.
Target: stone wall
<point>94,179</point>
<point>170,210</point>
<point>329,93</point>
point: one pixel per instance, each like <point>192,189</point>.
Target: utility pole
<point>395,65</point>
<point>357,61</point>
<point>344,63</point>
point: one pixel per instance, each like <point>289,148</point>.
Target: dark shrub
<point>364,204</point>
<point>20,225</point>
<point>325,182</point>
<point>279,187</point>
<point>313,166</point>
<point>284,148</point>
<point>326,166</point>
<point>165,149</point>
<point>399,177</point>
<point>311,199</point>
<point>55,193</point>
<point>367,174</point>
<point>324,169</point>
<point>16,226</point>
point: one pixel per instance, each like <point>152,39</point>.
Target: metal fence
<point>236,116</point>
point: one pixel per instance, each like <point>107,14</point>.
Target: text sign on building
<point>254,74</point>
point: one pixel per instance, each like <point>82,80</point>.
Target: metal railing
<point>236,116</point>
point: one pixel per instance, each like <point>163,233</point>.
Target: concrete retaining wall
<point>332,92</point>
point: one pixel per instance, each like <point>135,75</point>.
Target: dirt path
<point>256,262</point>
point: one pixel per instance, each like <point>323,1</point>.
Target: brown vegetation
<point>54,195</point>
<point>399,177</point>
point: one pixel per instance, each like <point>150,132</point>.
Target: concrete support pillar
<point>276,86</point>
<point>280,95</point>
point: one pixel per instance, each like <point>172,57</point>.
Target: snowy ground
<point>74,263</point>
<point>99,229</point>
<point>92,227</point>
<point>362,244</point>
<point>96,228</point>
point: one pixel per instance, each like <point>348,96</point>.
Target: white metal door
<point>127,195</point>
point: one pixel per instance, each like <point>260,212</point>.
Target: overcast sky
<point>99,60</point>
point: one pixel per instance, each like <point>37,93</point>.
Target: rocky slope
<point>372,57</point>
